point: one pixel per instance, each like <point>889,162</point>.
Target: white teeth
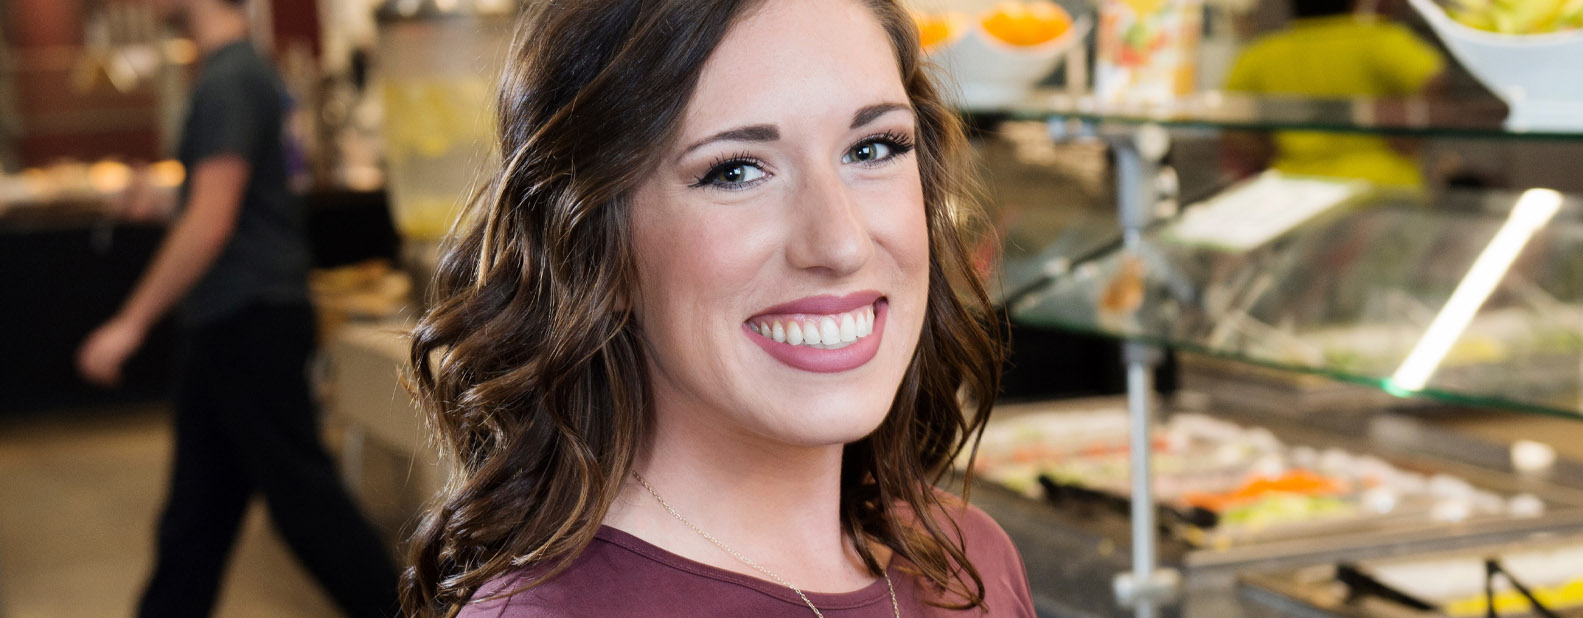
<point>823,332</point>
<point>828,331</point>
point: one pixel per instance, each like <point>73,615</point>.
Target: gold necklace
<point>756,566</point>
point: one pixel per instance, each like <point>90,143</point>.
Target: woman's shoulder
<point>972,520</point>
<point>573,592</point>
<point>496,600</point>
<point>982,537</point>
<point>992,553</point>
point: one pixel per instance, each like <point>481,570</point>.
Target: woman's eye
<point>732,175</point>
<point>868,152</point>
<point>879,149</point>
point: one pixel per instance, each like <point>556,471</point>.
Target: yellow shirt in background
<point>1339,57</point>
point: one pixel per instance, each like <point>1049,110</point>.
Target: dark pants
<point>245,423</point>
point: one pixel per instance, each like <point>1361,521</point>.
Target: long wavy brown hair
<point>529,364</point>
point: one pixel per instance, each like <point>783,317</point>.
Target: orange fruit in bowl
<point>1027,24</point>
<point>936,28</point>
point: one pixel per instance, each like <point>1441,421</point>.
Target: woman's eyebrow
<point>873,112</point>
<point>769,132</point>
<point>753,133</point>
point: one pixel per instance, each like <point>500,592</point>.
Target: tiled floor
<point>79,493</point>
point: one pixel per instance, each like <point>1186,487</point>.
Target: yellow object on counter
<point>1511,602</point>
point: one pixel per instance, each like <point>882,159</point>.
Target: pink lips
<point>825,361</point>
<point>823,305</point>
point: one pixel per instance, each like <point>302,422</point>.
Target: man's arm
<point>195,241</point>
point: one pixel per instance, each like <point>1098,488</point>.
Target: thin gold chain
<point>756,566</point>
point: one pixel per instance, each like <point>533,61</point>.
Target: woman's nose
<point>829,231</point>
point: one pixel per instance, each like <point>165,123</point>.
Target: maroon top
<point>622,576</point>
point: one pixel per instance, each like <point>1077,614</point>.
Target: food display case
<point>1242,492</point>
<point>1541,578</point>
<point>1467,299</point>
<point>1226,486</point>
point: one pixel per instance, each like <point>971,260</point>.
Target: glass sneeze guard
<point>1483,306</point>
<point>1353,291</point>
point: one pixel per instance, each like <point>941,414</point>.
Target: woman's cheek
<point>905,225</point>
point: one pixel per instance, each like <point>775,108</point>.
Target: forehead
<point>793,61</point>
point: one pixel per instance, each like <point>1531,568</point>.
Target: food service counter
<point>1446,491</point>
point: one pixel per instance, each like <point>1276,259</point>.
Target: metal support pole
<point>1138,154</point>
<point>1140,383</point>
<point>1134,186</point>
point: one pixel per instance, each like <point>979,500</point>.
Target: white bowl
<point>1539,76</point>
<point>991,73</point>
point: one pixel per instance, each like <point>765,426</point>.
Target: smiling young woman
<point>703,342</point>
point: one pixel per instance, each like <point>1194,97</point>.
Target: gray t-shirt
<point>238,107</point>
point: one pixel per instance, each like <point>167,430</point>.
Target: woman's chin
<point>822,422</point>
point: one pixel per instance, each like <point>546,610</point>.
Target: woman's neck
<point>773,503</point>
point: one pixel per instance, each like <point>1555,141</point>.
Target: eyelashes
<point>878,149</point>
<point>900,142</point>
<point>734,172</point>
<point>743,170</point>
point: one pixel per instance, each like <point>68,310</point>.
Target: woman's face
<point>782,249</point>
